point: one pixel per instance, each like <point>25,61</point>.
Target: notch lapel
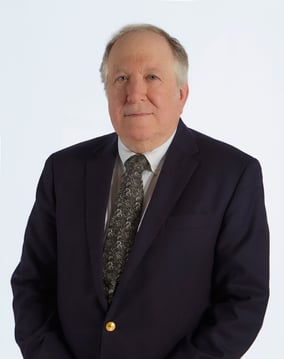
<point>99,171</point>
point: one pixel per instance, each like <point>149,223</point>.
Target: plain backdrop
<point>51,97</point>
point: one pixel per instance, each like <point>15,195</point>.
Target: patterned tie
<point>124,222</point>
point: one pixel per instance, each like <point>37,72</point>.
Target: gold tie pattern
<point>123,223</point>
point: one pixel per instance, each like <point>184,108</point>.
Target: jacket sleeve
<point>34,281</point>
<point>240,288</point>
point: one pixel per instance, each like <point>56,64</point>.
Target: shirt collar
<point>154,157</point>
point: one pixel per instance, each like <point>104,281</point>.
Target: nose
<point>136,90</point>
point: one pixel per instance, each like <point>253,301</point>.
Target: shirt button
<point>110,326</point>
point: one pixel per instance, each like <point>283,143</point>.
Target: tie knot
<point>137,163</point>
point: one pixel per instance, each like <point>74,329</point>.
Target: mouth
<point>137,114</point>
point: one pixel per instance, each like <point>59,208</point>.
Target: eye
<point>152,77</point>
<point>121,78</point>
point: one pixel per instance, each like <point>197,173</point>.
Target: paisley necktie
<point>123,223</point>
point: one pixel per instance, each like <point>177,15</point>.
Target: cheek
<point>167,105</point>
<point>115,104</point>
<point>164,97</point>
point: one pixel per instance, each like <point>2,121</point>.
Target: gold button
<point>110,326</point>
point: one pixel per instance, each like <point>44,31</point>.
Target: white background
<point>51,96</point>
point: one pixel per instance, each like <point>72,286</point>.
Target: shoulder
<point>86,149</point>
<point>222,160</point>
<point>71,161</point>
<point>218,157</point>
<point>215,148</point>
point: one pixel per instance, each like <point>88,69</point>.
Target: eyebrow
<point>119,71</point>
<point>149,70</point>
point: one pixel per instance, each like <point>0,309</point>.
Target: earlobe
<point>183,92</point>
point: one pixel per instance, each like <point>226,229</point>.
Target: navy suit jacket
<point>196,282</point>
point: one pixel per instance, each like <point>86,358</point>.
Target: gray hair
<point>179,53</point>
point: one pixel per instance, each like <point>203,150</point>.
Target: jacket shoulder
<point>215,149</point>
<point>85,149</point>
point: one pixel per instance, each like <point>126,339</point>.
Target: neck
<point>144,146</point>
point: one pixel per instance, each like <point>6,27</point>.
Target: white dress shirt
<point>155,158</point>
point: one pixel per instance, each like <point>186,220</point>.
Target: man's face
<point>143,97</point>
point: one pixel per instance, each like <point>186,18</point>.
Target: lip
<point>138,114</point>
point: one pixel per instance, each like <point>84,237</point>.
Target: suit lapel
<point>98,180</point>
<point>180,164</point>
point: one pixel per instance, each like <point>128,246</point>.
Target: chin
<point>137,141</point>
<point>140,135</point>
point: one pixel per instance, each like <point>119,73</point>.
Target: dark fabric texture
<point>196,282</point>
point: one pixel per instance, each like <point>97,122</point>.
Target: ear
<point>183,93</point>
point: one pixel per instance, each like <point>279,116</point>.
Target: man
<point>193,283</point>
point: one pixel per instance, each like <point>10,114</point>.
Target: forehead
<point>141,46</point>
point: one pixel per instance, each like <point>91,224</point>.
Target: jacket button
<point>110,326</point>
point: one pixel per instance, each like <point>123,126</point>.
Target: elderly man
<point>150,242</point>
